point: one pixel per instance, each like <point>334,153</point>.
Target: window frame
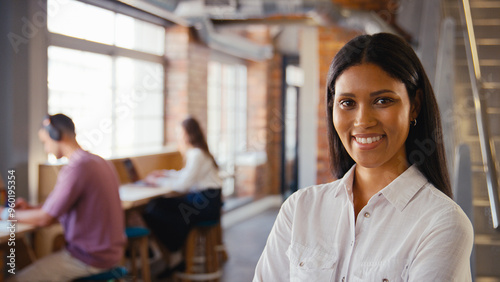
<point>114,52</point>
<point>230,165</point>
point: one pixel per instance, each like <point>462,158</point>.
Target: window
<point>108,75</point>
<point>227,116</point>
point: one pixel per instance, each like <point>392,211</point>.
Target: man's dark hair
<point>61,123</point>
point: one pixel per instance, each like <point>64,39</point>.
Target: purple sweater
<point>86,201</point>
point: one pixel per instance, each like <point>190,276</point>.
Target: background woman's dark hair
<point>424,145</point>
<point>196,137</point>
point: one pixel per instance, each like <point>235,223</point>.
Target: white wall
<point>308,107</point>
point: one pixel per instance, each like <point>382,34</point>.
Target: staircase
<point>486,21</point>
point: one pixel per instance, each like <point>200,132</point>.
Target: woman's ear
<point>415,106</point>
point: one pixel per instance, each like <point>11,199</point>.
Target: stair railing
<point>486,142</point>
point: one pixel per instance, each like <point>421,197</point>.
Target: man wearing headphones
<point>85,200</point>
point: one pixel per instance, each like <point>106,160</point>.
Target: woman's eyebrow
<point>381,92</point>
<point>347,94</point>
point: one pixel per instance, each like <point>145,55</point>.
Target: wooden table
<point>24,254</point>
<point>135,195</point>
<point>131,195</point>
<point>21,229</point>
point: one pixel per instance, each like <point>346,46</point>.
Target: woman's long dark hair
<point>196,137</point>
<point>424,145</point>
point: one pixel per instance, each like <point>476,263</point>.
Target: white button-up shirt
<point>408,231</point>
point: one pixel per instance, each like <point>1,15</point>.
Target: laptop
<point>131,171</point>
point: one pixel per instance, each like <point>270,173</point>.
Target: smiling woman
<point>390,216</point>
<point>371,113</point>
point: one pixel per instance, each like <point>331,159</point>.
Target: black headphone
<point>54,132</point>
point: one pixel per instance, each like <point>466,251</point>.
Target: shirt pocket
<point>311,264</point>
<point>393,270</point>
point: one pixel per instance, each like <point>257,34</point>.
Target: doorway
<point>291,83</point>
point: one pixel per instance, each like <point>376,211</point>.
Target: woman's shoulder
<point>315,193</point>
<point>432,196</point>
<point>196,153</point>
<point>436,207</point>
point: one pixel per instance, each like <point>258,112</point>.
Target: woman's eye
<point>383,101</point>
<point>346,103</point>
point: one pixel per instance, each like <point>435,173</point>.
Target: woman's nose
<point>365,117</point>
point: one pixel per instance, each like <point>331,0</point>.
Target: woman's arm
<point>189,174</point>
<point>274,264</point>
<point>444,253</point>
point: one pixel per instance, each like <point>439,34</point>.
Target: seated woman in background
<point>390,215</point>
<point>171,219</point>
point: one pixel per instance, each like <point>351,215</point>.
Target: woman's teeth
<point>368,140</point>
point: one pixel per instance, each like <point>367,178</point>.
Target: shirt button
<point>367,214</point>
<point>385,280</point>
<point>301,263</point>
<point>343,279</point>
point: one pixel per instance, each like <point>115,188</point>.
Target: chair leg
<point>190,251</point>
<point>146,275</point>
<point>220,247</point>
<point>133,255</point>
<point>211,254</point>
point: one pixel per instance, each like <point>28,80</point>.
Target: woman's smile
<point>367,142</point>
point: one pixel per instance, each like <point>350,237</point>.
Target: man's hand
<point>22,204</point>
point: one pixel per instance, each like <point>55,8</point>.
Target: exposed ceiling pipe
<point>156,8</point>
<point>367,21</point>
<point>324,12</point>
<point>231,44</point>
<point>196,13</point>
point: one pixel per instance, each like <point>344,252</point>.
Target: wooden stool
<point>220,247</point>
<point>200,253</point>
<point>138,239</point>
<point>114,274</point>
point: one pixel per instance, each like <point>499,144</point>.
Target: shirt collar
<point>399,192</point>
<point>402,189</point>
<point>346,182</point>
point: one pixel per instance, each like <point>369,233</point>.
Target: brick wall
<point>251,180</point>
<point>331,39</point>
<point>186,79</point>
<point>199,56</point>
<point>177,42</point>
<point>257,105</point>
<point>264,121</point>
<point>274,123</point>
